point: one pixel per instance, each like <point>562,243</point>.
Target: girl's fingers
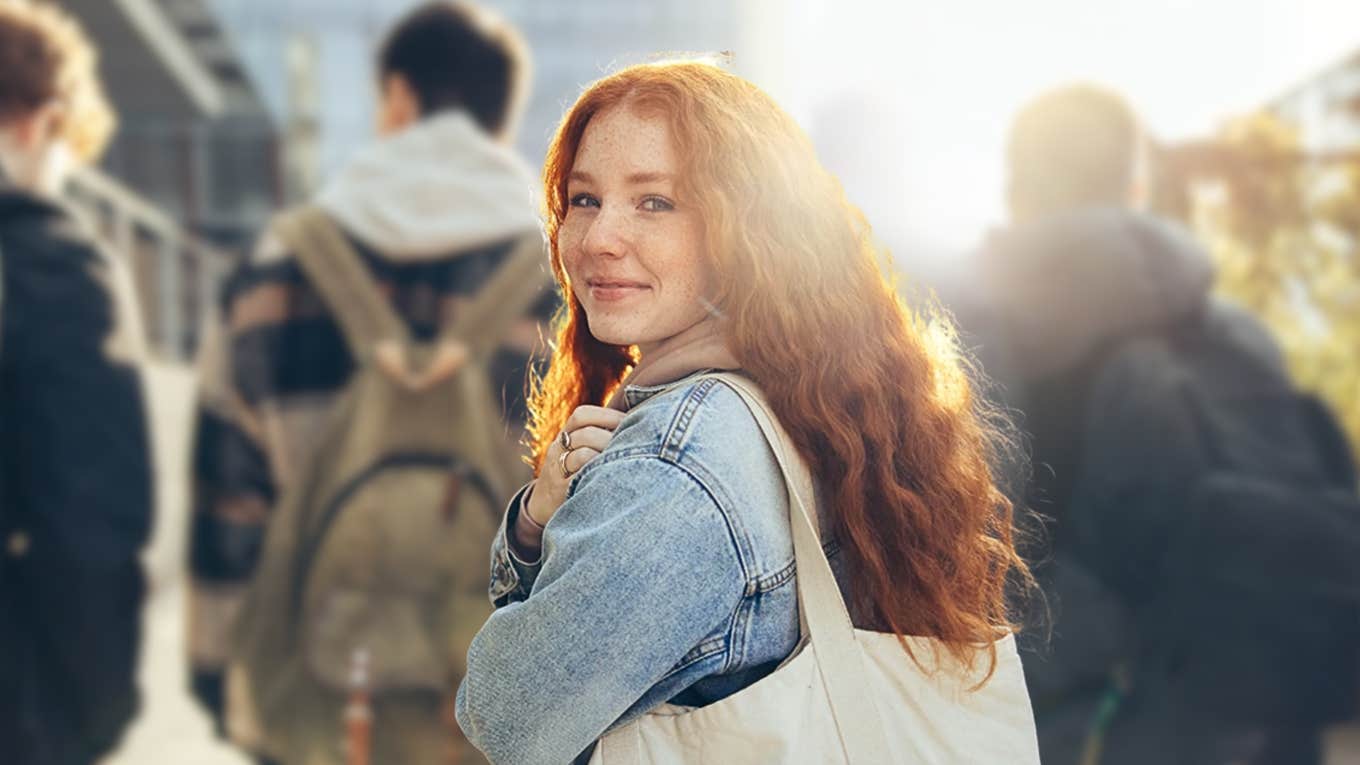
<point>594,416</point>
<point>578,458</point>
<point>591,437</point>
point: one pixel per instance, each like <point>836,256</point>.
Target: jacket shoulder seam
<point>640,454</point>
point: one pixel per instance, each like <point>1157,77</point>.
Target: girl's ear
<point>39,127</point>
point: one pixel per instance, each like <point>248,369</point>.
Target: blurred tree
<point>1284,226</point>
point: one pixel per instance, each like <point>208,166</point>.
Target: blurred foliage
<point>1284,226</point>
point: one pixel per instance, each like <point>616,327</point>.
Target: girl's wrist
<point>528,533</point>
<point>524,509</point>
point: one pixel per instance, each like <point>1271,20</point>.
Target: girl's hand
<point>588,431</point>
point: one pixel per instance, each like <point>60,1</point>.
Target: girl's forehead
<point>619,140</point>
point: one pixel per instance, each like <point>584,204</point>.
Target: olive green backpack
<point>379,552</point>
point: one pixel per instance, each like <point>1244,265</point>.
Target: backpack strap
<point>373,330</point>
<point>341,278</point>
<point>504,298</point>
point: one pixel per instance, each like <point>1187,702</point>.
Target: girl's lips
<point>609,291</point>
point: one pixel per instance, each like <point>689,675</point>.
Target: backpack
<point>376,559</point>
<point>1253,617</point>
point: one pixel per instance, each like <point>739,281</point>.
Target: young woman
<point>693,229</point>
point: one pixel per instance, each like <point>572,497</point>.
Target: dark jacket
<point>75,489</point>
<point>1114,456</point>
<point>1049,300</point>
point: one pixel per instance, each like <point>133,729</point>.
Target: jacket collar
<point>634,395</point>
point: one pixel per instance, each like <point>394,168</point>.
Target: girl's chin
<point>624,337</point>
<point>613,335</point>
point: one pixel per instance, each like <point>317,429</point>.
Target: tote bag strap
<point>825,618</point>
<point>822,610</point>
<point>825,621</point>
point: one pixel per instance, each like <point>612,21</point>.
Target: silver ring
<point>562,463</point>
<point>564,438</point>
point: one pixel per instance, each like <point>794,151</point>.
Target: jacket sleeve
<point>77,474</point>
<point>638,566</point>
<point>233,489</point>
<point>512,576</point>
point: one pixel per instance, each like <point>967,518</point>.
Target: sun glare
<point>950,75</point>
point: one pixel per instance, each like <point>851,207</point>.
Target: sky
<point>950,74</point>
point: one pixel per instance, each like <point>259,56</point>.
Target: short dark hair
<point>1071,147</point>
<point>456,55</point>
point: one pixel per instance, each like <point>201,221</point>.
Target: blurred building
<point>193,170</point>
<point>194,136</point>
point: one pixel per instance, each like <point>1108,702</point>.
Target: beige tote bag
<point>845,695</point>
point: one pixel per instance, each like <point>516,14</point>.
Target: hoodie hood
<point>1053,291</point>
<point>439,187</point>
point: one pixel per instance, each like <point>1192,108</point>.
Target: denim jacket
<point>667,575</point>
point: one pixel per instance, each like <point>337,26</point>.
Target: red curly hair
<point>875,396</point>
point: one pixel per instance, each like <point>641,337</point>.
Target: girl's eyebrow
<point>636,179</point>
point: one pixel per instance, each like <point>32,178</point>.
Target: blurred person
<point>75,463</point>
<point>413,231</point>
<point>1174,461</point>
<point>645,580</point>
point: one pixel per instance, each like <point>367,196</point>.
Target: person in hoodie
<point>1081,272</point>
<point>75,460</point>
<point>434,207</point>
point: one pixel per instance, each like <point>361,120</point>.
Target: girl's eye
<point>657,204</point>
<point>584,200</point>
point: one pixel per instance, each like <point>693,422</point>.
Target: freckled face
<point>632,249</point>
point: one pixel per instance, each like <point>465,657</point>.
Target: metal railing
<point>177,275</point>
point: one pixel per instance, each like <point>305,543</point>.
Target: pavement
<point>171,728</point>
